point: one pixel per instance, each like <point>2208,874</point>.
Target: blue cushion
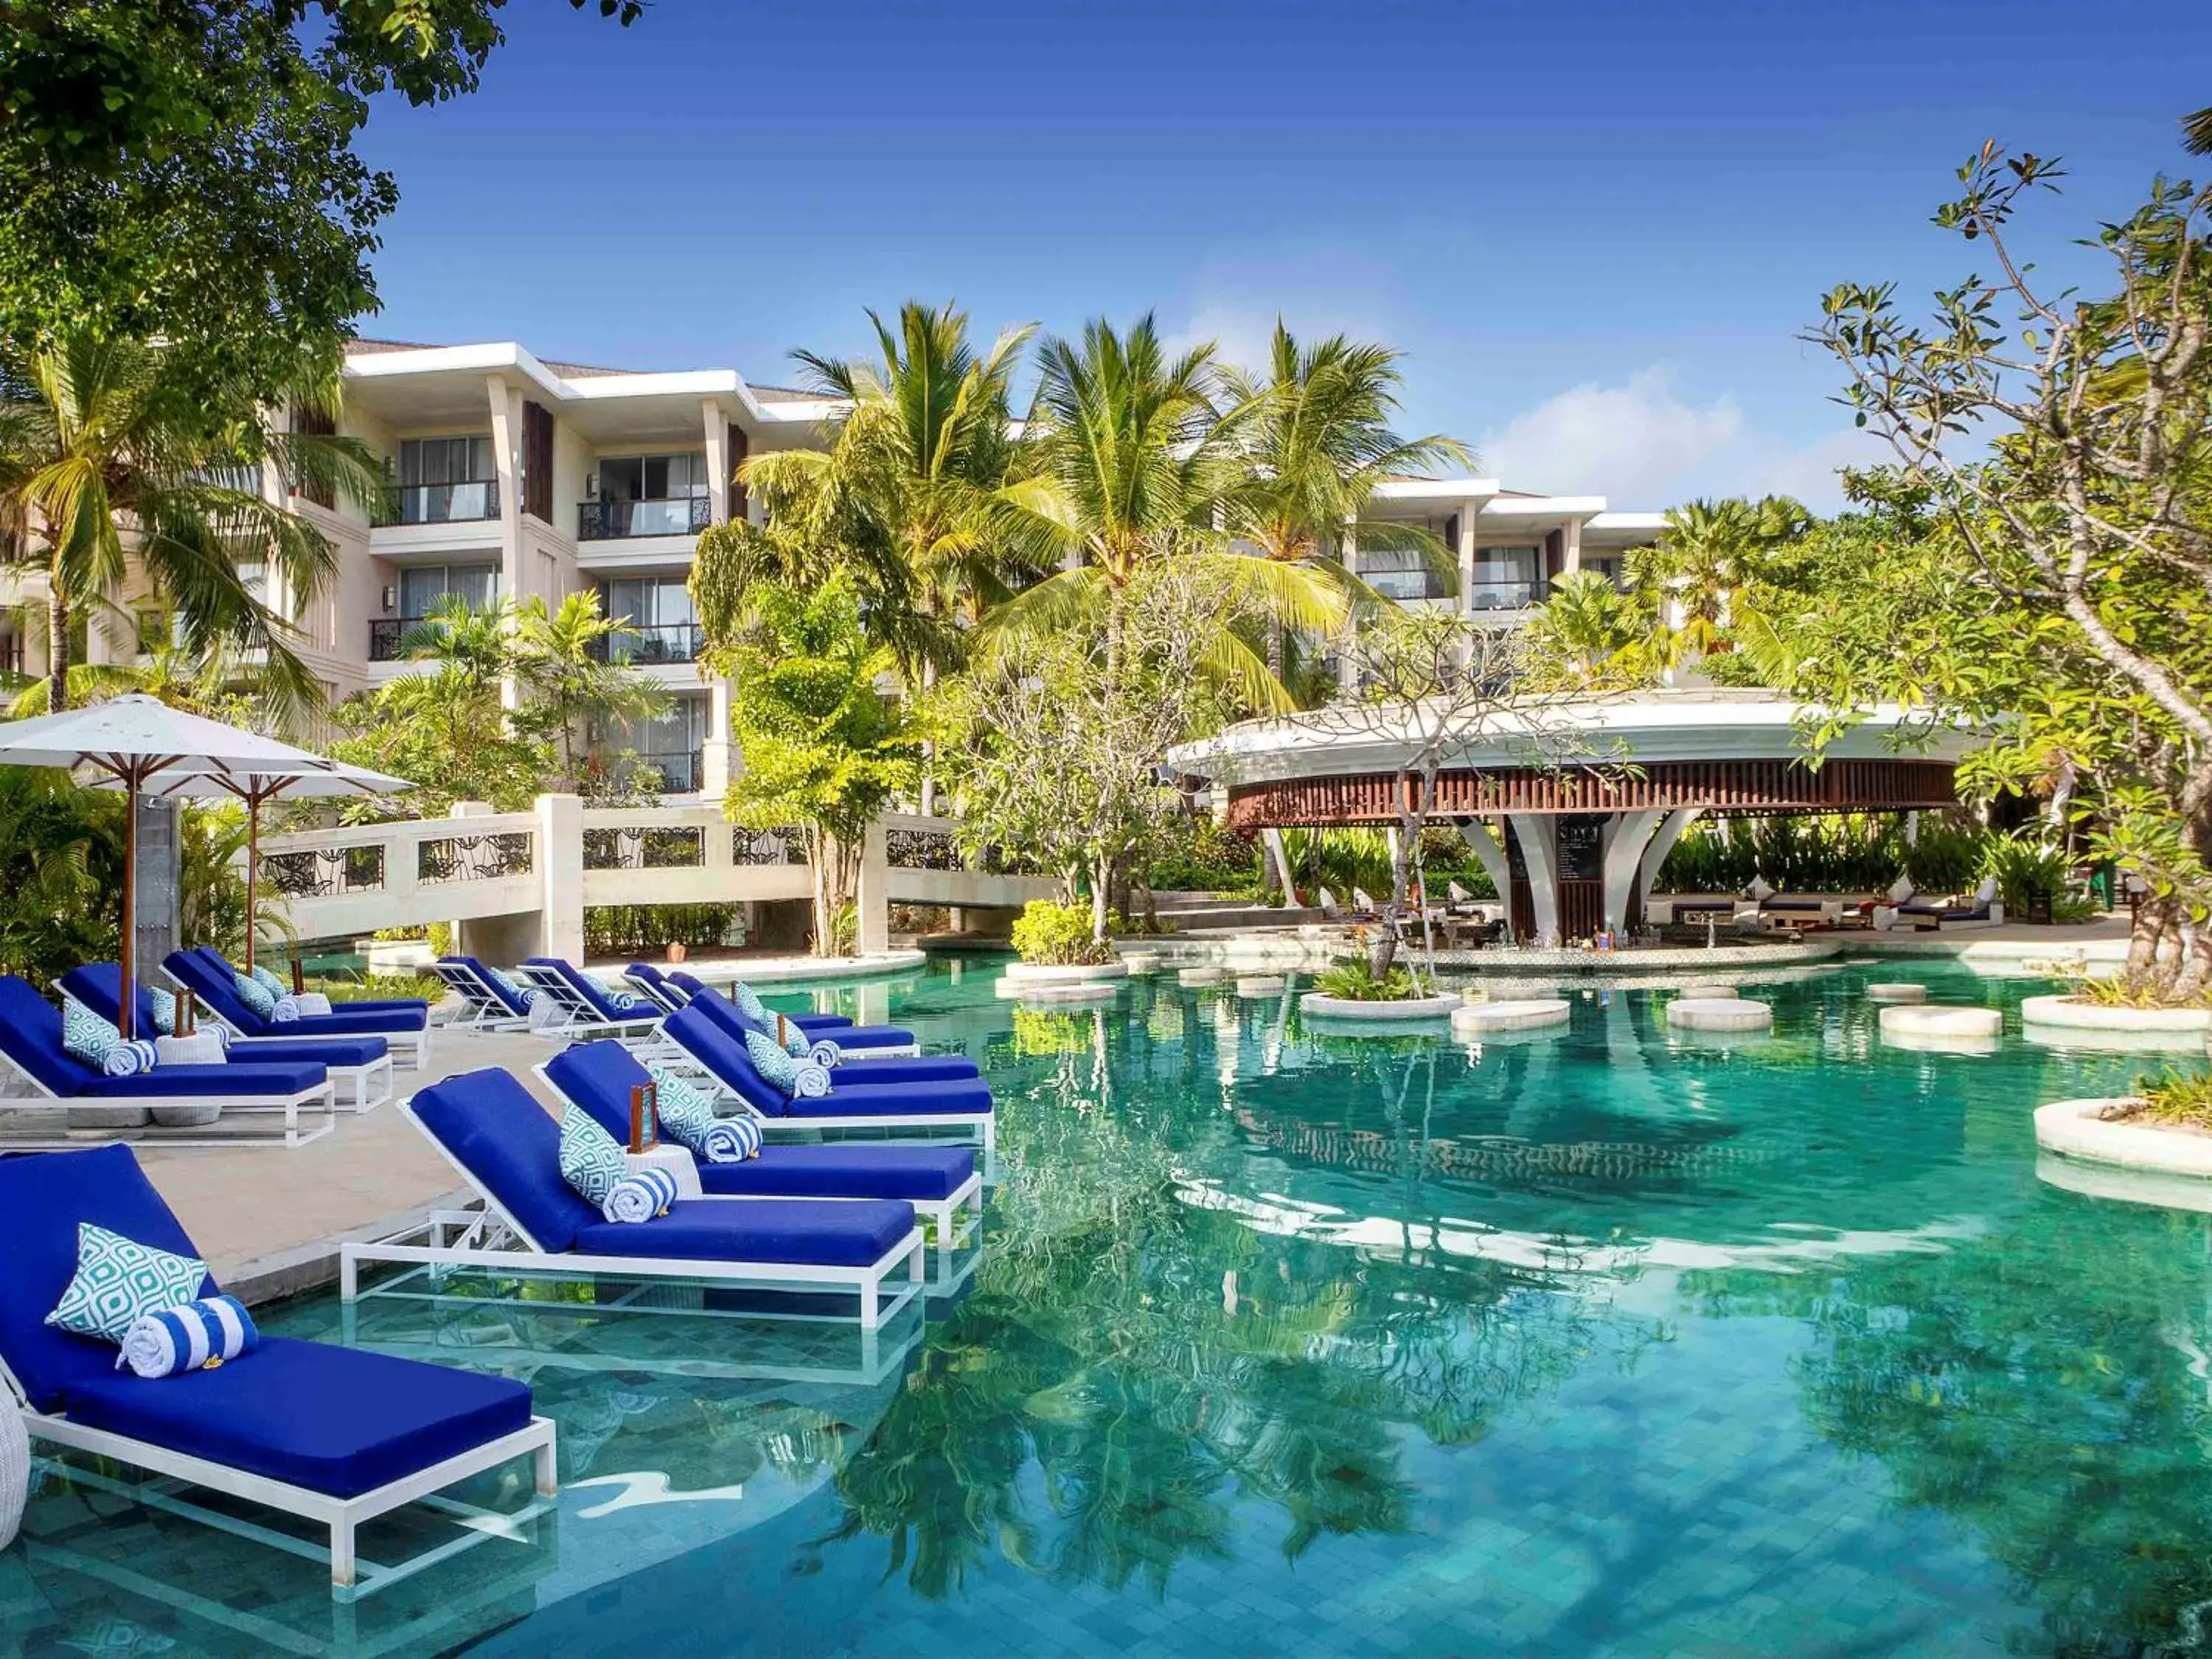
<point>849,1037</point>
<point>344,1021</point>
<point>214,986</point>
<point>893,1100</point>
<point>725,1016</point>
<point>712,1047</point>
<point>310,1051</point>
<point>913,1068</point>
<point>31,1037</point>
<point>843,1169</point>
<point>800,1230</point>
<point>341,1421</point>
<point>44,1198</point>
<point>243,1079</point>
<point>99,986</point>
<point>598,1077</point>
<point>504,1139</point>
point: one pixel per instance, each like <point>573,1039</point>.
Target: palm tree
<point>1588,629</point>
<point>568,661</point>
<point>1318,443</point>
<point>1693,573</point>
<point>2197,132</point>
<point>472,652</point>
<point>113,464</point>
<point>1136,464</point>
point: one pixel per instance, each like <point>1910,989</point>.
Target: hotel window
<point>446,480</point>
<point>1505,579</point>
<point>660,623</point>
<point>423,587</point>
<point>647,496</point>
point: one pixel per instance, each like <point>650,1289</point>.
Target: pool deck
<point>270,1221</point>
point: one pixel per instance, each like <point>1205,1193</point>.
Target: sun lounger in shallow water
<point>333,1435</point>
<point>297,1092</point>
<point>879,1067</point>
<point>860,1041</point>
<point>363,1064</point>
<point>941,1183</point>
<point>507,1147</point>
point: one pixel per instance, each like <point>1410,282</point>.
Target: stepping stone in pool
<point>1719,1014</point>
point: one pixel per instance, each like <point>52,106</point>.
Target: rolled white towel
<point>812,1082</point>
<point>731,1140</point>
<point>286,1011</point>
<point>313,1003</point>
<point>188,1338</point>
<point>641,1195</point>
<point>130,1059</point>
<point>826,1054</point>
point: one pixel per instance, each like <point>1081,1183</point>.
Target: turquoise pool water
<point>1601,1342</point>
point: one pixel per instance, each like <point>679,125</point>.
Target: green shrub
<point>1355,981</point>
<point>631,930</point>
<point>2025,870</point>
<point>2176,1097</point>
<point>379,986</point>
<point>1201,857</point>
<point>1051,934</point>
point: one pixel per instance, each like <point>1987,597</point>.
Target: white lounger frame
<point>375,1075</point>
<point>981,1127</point>
<point>583,1020</point>
<point>660,996</point>
<point>948,1230</point>
<point>493,1238</point>
<point>320,1098</point>
<point>350,1576</point>
<point>487,1010</point>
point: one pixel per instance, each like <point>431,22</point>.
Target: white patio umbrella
<point>134,741</point>
<point>256,788</point>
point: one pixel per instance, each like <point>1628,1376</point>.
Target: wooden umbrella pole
<point>129,951</point>
<point>252,868</point>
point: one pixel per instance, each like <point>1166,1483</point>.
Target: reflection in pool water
<point>1599,1340</point>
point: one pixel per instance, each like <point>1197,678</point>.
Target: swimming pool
<point>1610,1341</point>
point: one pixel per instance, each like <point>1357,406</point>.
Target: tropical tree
<point>824,748</point>
<point>1587,632</point>
<point>1135,466</point>
<point>570,668</point>
<point>2197,132</point>
<point>1317,444</point>
<point>118,465</point>
<point>1693,576</point>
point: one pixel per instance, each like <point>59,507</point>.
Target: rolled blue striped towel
<point>286,1011</point>
<point>193,1336</point>
<point>813,1081</point>
<point>731,1140</point>
<point>130,1059</point>
<point>622,1002</point>
<point>641,1195</point>
<point>826,1053</point>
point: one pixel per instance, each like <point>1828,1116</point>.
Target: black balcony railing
<point>1507,596</point>
<point>651,642</point>
<point>439,503</point>
<point>681,515</point>
<point>385,634</point>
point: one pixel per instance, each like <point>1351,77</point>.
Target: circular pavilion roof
<point>1724,751</point>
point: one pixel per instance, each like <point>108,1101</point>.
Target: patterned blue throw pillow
<point>165,1009</point>
<point>777,1067</point>
<point>592,1160</point>
<point>255,995</point>
<point>89,1038</point>
<point>118,1282</point>
<point>750,1007</point>
<point>269,982</point>
<point>686,1114</point>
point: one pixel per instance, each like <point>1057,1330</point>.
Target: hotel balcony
<point>472,502</point>
<point>385,634</point>
<point>652,642</point>
<point>1507,596</point>
<point>614,520</point>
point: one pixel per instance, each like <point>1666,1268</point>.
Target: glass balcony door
<point>661,624</point>
<point>446,480</point>
<point>1506,579</point>
<point>648,495</point>
<point>423,589</point>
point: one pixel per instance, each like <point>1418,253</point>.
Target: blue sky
<point>1594,229</point>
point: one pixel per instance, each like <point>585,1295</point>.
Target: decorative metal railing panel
<point>325,871</point>
<point>754,847</point>
<point>680,515</point>
<point>921,849</point>
<point>637,846</point>
<point>651,642</point>
<point>473,857</point>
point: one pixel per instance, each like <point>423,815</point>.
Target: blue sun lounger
<point>655,987</point>
<point>507,1147</point>
<point>215,958</point>
<point>31,1045</point>
<point>486,1005</point>
<point>405,1025</point>
<point>903,1068</point>
<point>940,1182</point>
<point>333,1435</point>
<point>363,1061</point>
<point>882,1108</point>
<point>589,1008</point>
<point>873,1042</point>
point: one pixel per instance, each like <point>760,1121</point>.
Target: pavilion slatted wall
<point>1735,786</point>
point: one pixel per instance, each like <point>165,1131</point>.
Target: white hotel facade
<point>515,476</point>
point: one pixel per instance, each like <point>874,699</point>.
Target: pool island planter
<point>1526,1014</point>
<point>1027,973</point>
<point>2071,1013</point>
<point>1318,1005</point>
<point>1069,993</point>
<point>2087,1129</point>
<point>1257,986</point>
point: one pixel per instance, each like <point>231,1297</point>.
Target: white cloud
<point>1643,448</point>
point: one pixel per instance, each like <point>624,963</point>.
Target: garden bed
<point>1316,1004</point>
<point>2076,1014</point>
<point>2107,1131</point>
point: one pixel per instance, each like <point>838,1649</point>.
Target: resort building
<point>510,476</point>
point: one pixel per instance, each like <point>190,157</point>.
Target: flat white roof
<point>390,365</point>
<point>1595,729</point>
